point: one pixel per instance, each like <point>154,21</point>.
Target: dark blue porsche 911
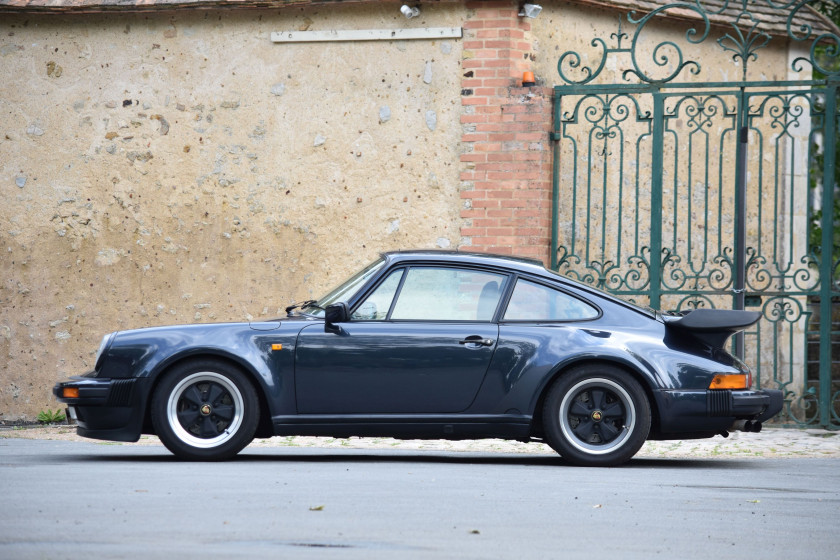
<point>431,345</point>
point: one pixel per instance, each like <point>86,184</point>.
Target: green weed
<point>50,417</point>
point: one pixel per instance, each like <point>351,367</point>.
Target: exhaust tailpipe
<point>746,426</point>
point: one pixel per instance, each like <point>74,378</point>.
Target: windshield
<point>345,290</point>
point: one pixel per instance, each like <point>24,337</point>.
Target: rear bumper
<point>747,405</point>
<point>110,409</point>
<point>715,410</point>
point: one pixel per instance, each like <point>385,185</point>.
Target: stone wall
<point>179,168</point>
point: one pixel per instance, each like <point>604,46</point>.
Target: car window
<point>535,302</point>
<point>376,306</point>
<point>344,291</point>
<point>448,294</point>
<point>623,299</point>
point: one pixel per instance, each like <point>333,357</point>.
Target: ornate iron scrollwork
<point>744,39</point>
<point>654,169</point>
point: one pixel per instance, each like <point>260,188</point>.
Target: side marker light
<point>70,393</point>
<point>276,347</point>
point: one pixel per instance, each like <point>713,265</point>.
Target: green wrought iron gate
<point>713,194</point>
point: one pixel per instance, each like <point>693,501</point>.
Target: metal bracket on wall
<point>366,35</point>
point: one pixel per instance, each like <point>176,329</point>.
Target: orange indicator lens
<point>70,393</point>
<point>276,347</point>
<point>729,382</point>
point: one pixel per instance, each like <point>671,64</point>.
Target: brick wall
<point>506,159</point>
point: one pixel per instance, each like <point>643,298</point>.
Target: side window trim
<point>361,301</point>
<point>505,293</point>
<point>405,271</point>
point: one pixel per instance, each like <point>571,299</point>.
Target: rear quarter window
<point>534,302</point>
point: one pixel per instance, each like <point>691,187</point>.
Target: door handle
<point>477,340</point>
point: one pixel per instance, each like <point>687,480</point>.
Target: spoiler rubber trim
<point>713,326</point>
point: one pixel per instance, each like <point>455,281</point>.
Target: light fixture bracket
<point>530,10</point>
<point>409,12</point>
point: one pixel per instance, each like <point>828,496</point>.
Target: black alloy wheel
<point>205,410</point>
<point>596,415</point>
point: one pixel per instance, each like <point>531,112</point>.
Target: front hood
<point>188,328</point>
<point>265,325</point>
<point>276,323</point>
<point>141,352</point>
<point>269,325</point>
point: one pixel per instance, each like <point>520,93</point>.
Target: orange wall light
<point>528,79</point>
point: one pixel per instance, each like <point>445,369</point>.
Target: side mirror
<point>335,313</point>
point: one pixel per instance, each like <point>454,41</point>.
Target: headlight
<point>103,347</point>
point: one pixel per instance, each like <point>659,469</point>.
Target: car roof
<point>521,264</point>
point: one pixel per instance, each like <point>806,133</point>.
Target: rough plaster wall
<point>182,168</point>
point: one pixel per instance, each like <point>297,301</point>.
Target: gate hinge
<point>554,136</point>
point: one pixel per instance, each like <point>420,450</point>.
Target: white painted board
<point>365,35</point>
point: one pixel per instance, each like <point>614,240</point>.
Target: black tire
<point>205,410</point>
<point>596,415</point>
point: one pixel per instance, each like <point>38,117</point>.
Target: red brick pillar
<point>506,164</point>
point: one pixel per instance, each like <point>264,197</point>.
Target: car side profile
<point>431,345</point>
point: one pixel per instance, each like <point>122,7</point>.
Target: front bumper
<point>110,409</point>
<point>715,410</point>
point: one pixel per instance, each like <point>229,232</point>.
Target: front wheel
<point>205,410</point>
<point>596,416</point>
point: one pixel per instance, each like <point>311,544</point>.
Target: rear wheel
<point>205,410</point>
<point>596,415</point>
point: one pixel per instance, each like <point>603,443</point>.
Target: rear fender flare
<point>647,382</point>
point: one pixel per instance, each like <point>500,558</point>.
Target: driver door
<point>420,342</point>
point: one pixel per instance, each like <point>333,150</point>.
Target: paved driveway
<point>70,499</point>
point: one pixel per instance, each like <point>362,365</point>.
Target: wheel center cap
<point>597,416</point>
<point>205,409</point>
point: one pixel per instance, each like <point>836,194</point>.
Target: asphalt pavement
<point>72,499</point>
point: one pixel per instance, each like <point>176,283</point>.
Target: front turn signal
<point>70,393</point>
<point>736,381</point>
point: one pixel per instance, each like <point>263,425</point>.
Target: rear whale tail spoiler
<point>713,326</point>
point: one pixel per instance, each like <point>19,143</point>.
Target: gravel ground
<point>771,442</point>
